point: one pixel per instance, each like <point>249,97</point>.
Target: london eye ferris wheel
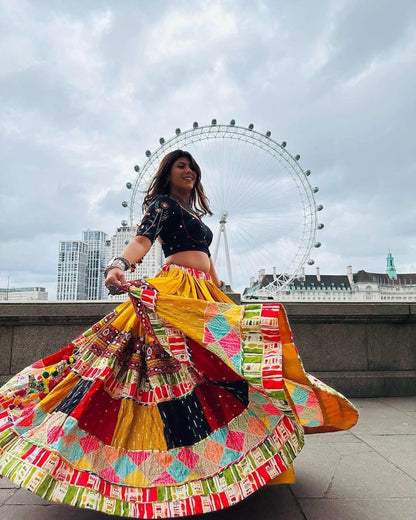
<point>265,213</point>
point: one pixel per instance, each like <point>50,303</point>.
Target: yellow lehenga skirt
<point>178,402</point>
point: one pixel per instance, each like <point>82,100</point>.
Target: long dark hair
<point>160,184</point>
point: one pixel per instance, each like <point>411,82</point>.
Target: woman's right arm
<point>135,250</point>
<point>147,232</point>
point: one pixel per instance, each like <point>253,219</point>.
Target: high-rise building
<point>81,264</point>
<point>151,263</point>
<point>120,239</point>
<point>97,259</point>
<point>72,270</point>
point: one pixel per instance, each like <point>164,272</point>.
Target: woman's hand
<point>115,280</point>
<point>134,250</point>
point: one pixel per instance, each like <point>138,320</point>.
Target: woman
<point>178,402</point>
<point>171,201</point>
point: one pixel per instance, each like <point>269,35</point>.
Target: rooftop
<point>384,279</point>
<point>22,289</point>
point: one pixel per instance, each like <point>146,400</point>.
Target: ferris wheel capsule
<point>307,173</point>
<point>315,189</point>
<point>124,223</point>
<point>321,226</point>
<point>129,185</point>
<point>177,131</point>
<point>317,244</point>
<point>284,144</point>
<point>297,157</point>
<point>124,204</point>
<point>161,140</point>
<point>268,133</point>
<point>137,168</point>
<point>195,125</point>
<point>213,122</point>
<point>232,122</point>
<point>148,153</point>
<point>250,126</point>
<point>311,262</point>
<point>319,207</point>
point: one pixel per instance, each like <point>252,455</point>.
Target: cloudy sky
<point>86,87</point>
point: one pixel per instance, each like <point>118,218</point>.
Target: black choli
<point>178,229</point>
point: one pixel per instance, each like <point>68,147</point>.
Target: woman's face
<point>182,177</point>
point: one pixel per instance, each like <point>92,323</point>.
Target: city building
<point>359,287</point>
<point>72,270</point>
<point>150,265</point>
<point>20,294</point>
<point>381,288</point>
<point>306,287</point>
<point>97,243</point>
<point>81,264</point>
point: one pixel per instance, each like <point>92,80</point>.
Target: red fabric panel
<point>97,413</point>
<point>210,365</point>
<point>54,358</point>
<point>219,405</point>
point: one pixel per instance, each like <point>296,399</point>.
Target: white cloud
<point>184,34</point>
<point>86,88</point>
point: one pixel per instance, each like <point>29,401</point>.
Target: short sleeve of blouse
<point>154,219</point>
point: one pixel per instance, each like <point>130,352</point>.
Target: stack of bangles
<point>119,262</point>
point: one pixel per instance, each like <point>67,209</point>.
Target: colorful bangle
<point>134,265</point>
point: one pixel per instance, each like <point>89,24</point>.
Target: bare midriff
<point>193,259</point>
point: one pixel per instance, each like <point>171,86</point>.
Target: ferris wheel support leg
<point>217,246</point>
<point>227,255</point>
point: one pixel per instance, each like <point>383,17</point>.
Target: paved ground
<point>368,473</point>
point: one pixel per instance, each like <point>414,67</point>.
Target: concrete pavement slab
<point>352,509</point>
<point>51,512</point>
<point>25,497</point>
<point>5,494</point>
<point>5,483</point>
<point>379,417</point>
<point>331,437</point>
<point>349,470</point>
<point>365,474</point>
<point>400,450</point>
<point>405,404</point>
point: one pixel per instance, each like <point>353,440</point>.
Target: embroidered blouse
<point>179,229</point>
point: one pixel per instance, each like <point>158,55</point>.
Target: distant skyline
<point>86,87</point>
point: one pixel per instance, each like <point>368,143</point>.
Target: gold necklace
<point>184,205</point>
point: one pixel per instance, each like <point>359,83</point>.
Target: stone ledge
<point>351,312</point>
<point>54,313</point>
<point>399,383</point>
<point>297,312</point>
<point>364,350</point>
